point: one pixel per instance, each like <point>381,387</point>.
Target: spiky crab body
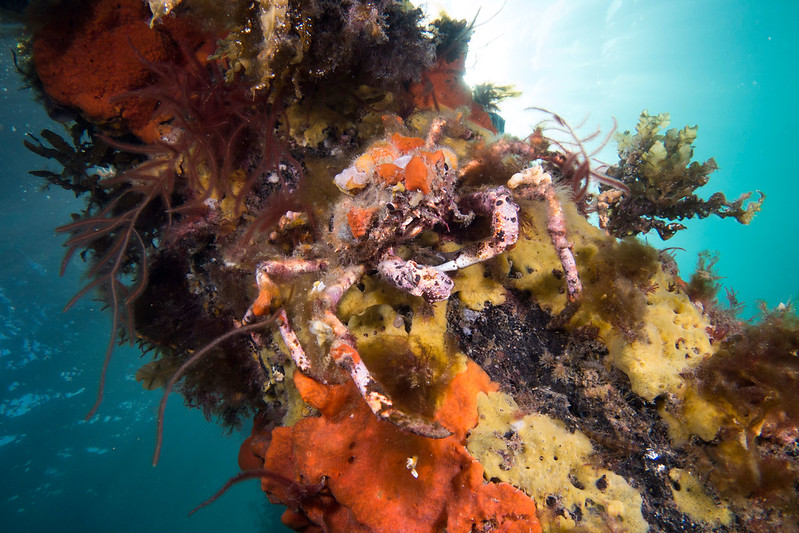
<point>395,191</point>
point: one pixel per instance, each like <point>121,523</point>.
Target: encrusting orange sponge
<point>359,220</point>
<point>442,86</point>
<point>400,160</point>
<point>416,175</point>
<point>353,472</point>
<point>94,56</point>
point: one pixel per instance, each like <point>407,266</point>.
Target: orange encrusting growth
<point>406,144</point>
<point>417,177</point>
<point>359,473</point>
<point>268,298</point>
<point>400,160</point>
<point>433,158</point>
<point>379,153</point>
<point>94,59</point>
<point>359,220</point>
<point>341,350</point>
<point>390,173</point>
<point>443,87</point>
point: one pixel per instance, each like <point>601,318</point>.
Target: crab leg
<point>413,278</point>
<point>329,295</point>
<point>539,187</point>
<point>556,225</point>
<point>342,348</point>
<point>504,228</point>
<point>346,356</point>
<point>292,343</point>
<point>268,293</point>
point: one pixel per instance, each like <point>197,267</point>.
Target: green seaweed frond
<point>489,95</point>
<point>450,36</point>
<point>658,169</point>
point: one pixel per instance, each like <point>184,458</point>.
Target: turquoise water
<point>59,472</point>
<point>728,66</point>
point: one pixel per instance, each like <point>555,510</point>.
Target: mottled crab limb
<point>413,278</point>
<point>556,225</point>
<point>534,183</point>
<point>296,352</point>
<point>325,303</point>
<point>327,296</point>
<point>435,133</point>
<point>504,228</point>
<point>348,358</point>
<point>268,293</point>
<point>289,268</point>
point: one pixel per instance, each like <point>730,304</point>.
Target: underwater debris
<point>410,264</point>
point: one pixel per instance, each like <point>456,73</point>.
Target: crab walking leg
<point>326,302</point>
<point>342,349</point>
<point>435,133</point>
<point>413,278</point>
<point>556,226</point>
<point>346,356</point>
<point>268,293</point>
<point>504,228</point>
<point>538,186</point>
<point>292,343</point>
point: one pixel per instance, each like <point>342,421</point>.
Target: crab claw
<point>418,280</point>
<point>504,228</point>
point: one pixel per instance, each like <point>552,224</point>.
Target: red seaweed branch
<point>114,235</point>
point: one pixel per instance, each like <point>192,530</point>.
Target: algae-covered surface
<point>408,313</point>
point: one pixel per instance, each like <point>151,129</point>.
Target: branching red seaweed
<point>578,164</point>
<point>159,437</point>
<point>114,236</point>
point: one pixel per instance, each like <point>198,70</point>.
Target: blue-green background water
<point>729,66</point>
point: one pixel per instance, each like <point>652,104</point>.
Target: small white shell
<point>350,179</point>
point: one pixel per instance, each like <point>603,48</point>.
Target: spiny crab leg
<point>538,186</point>
<point>342,348</point>
<point>346,356</point>
<point>504,228</point>
<point>268,293</point>
<point>419,280</point>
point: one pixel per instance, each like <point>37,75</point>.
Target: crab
<point>399,188</point>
